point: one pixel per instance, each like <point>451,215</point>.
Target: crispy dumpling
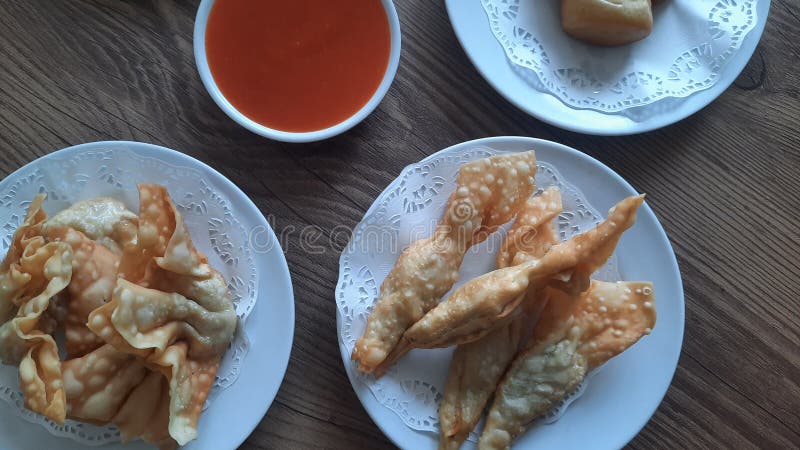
<point>35,272</point>
<point>573,336</point>
<point>94,275</point>
<point>177,315</point>
<point>145,413</point>
<point>103,220</point>
<point>489,192</point>
<point>13,282</point>
<point>98,383</point>
<point>108,386</point>
<point>476,367</point>
<point>156,226</point>
<point>495,299</point>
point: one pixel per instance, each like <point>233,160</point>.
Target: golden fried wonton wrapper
<point>108,386</point>
<point>489,192</point>
<point>493,300</point>
<point>94,275</point>
<point>12,281</point>
<point>476,367</point>
<point>573,336</point>
<point>174,311</point>
<point>104,220</point>
<point>32,273</point>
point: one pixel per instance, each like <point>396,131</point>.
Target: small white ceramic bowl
<point>286,136</point>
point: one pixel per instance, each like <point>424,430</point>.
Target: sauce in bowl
<point>298,65</point>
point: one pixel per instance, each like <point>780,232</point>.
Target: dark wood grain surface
<point>724,183</point>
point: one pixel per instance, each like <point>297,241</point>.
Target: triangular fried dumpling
<point>489,193</point>
<point>476,367</point>
<point>494,299</point>
<point>574,335</point>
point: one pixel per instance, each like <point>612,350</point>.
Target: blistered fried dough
<point>489,192</point>
<point>536,382</point>
<point>533,232</point>
<point>98,383</point>
<point>47,269</point>
<point>94,275</point>
<point>179,317</point>
<point>13,282</point>
<point>175,335</point>
<point>573,336</point>
<point>107,386</point>
<point>104,220</point>
<point>145,413</point>
<point>156,226</point>
<point>476,367</point>
<point>611,317</point>
<point>494,299</point>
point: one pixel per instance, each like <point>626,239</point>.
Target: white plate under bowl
<point>626,391</point>
<point>471,26</point>
<point>238,409</point>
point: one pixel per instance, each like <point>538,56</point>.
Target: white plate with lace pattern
<point>696,50</point>
<point>615,401</point>
<point>226,226</point>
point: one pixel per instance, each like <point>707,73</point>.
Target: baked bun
<point>607,22</point>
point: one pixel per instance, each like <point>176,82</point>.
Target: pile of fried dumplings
<point>526,333</point>
<point>145,318</point>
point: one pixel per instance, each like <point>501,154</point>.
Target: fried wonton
<point>104,220</point>
<point>476,367</point>
<point>489,192</point>
<point>12,281</point>
<point>32,273</point>
<point>94,275</point>
<point>108,386</point>
<point>171,309</point>
<point>573,336</point>
<point>493,300</point>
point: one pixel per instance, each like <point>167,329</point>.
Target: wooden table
<point>723,183</point>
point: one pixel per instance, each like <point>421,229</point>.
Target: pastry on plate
<point>607,22</point>
<point>489,193</point>
<point>476,367</point>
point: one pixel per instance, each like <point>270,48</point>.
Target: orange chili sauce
<point>298,65</point>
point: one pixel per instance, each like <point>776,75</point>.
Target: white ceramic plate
<point>472,29</point>
<point>236,411</point>
<point>623,394</point>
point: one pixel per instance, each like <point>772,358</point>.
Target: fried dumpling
<point>32,273</point>
<point>494,299</point>
<point>476,367</point>
<point>103,220</point>
<point>13,282</point>
<point>98,383</point>
<point>108,386</point>
<point>94,275</point>
<point>177,316</point>
<point>145,413</point>
<point>489,192</point>
<point>573,336</point>
<point>156,226</point>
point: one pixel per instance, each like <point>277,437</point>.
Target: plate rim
<point>688,106</point>
<point>375,409</point>
<point>283,353</point>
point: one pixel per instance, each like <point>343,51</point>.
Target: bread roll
<point>607,22</point>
